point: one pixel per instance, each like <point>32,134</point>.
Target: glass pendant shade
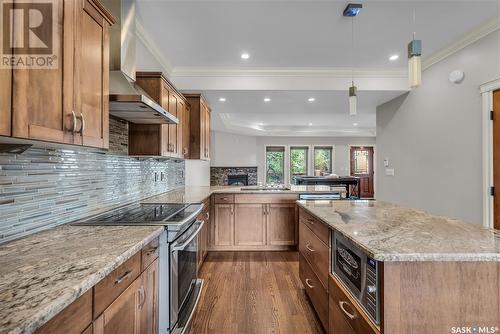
<point>414,63</point>
<point>353,100</point>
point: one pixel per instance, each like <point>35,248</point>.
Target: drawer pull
<point>310,221</point>
<point>308,246</point>
<point>151,251</point>
<point>309,284</point>
<point>123,277</point>
<point>142,296</point>
<point>342,307</point>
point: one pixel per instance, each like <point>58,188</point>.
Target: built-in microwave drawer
<point>346,310</point>
<point>316,253</point>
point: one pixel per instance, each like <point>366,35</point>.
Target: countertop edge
<point>411,257</point>
<point>58,305</point>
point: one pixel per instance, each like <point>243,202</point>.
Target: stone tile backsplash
<point>43,188</point>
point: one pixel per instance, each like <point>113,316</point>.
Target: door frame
<point>487,90</point>
<point>374,163</point>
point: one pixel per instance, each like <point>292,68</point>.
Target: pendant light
<point>351,11</point>
<point>414,60</point>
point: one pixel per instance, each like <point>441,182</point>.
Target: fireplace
<point>237,179</point>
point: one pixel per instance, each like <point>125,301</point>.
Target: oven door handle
<point>185,243</point>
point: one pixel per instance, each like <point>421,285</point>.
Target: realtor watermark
<point>475,330</point>
<point>30,35</point>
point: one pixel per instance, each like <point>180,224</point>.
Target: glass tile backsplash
<point>43,188</point>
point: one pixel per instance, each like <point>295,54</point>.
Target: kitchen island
<point>435,273</point>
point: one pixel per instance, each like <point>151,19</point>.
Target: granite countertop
<point>388,232</point>
<point>43,273</point>
<point>197,194</point>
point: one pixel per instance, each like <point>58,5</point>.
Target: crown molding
<point>472,36</point>
<point>143,36</point>
<point>300,72</point>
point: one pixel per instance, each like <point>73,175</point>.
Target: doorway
<point>496,159</point>
<point>362,166</point>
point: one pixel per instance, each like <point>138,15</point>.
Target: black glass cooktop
<point>145,214</point>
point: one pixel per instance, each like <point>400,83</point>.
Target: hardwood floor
<point>253,292</point>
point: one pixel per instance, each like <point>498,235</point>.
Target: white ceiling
<point>304,33</point>
<point>207,35</point>
<point>290,114</point>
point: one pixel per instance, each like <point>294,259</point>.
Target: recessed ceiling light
<point>310,124</point>
<point>394,57</point>
<point>245,55</point>
<point>261,124</point>
<point>267,99</point>
<point>222,99</point>
<point>311,99</point>
<point>355,124</point>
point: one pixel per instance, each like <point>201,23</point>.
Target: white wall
<point>197,173</point>
<point>232,150</point>
<point>432,137</point>
<point>341,151</point>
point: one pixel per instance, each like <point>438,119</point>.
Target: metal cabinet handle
<point>308,246</point>
<point>342,307</point>
<point>151,251</point>
<point>142,296</point>
<point>73,116</point>
<point>310,221</point>
<point>123,277</point>
<point>185,151</point>
<point>82,128</point>
<point>207,215</point>
<point>309,284</point>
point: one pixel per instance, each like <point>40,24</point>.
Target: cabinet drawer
<point>150,253</point>
<point>316,252</point>
<point>223,198</point>
<point>344,307</point>
<point>73,319</point>
<point>265,198</point>
<point>107,290</point>
<point>316,292</point>
<point>318,227</point>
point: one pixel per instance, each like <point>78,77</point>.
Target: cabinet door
<point>281,224</point>
<point>92,75</point>
<point>207,133</point>
<point>122,315</point>
<point>148,301</point>
<point>181,114</point>
<point>186,131</point>
<point>337,323</point>
<point>224,224</point>
<point>173,128</point>
<point>5,102</point>
<point>42,101</point>
<point>202,130</point>
<point>249,225</point>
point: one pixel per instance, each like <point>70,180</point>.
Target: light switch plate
<point>389,171</point>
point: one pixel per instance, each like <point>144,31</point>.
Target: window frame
<point>307,164</point>
<point>283,164</point>
<point>332,153</point>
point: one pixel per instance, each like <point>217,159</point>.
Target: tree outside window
<point>323,159</point>
<point>275,164</point>
<point>298,162</point>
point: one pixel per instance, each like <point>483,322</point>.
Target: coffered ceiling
<point>297,49</point>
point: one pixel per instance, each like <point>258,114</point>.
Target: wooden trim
<point>265,198</point>
<point>103,11</point>
<point>162,76</point>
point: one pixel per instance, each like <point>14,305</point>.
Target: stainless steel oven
<point>185,287</point>
<point>359,273</point>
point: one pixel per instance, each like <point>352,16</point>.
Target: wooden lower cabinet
<point>315,290</point>
<point>203,236</point>
<point>224,225</point>
<point>122,315</point>
<point>148,306</point>
<point>281,224</point>
<point>250,224</point>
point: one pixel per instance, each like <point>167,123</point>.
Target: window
<point>275,164</point>
<point>298,162</point>
<point>323,159</point>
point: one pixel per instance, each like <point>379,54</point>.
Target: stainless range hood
<point>126,99</point>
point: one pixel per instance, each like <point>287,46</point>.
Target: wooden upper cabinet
<point>42,100</point>
<point>199,127</point>
<point>92,74</point>
<point>60,104</point>
<point>186,131</point>
<point>158,139</point>
<point>5,101</point>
